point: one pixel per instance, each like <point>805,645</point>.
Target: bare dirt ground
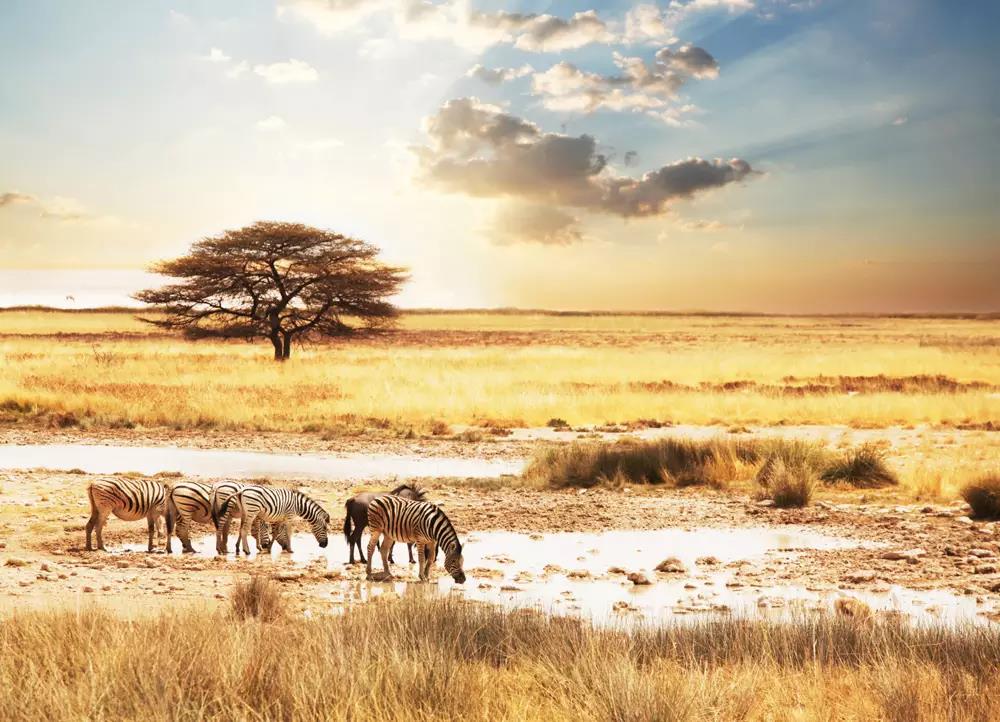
<point>43,563</point>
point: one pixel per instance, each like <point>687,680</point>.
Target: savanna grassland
<point>510,370</point>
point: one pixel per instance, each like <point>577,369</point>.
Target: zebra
<point>357,511</point>
<point>269,504</point>
<point>421,522</point>
<point>221,493</point>
<point>189,501</point>
<point>128,499</point>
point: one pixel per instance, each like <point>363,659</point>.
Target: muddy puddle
<point>574,574</point>
<point>245,465</point>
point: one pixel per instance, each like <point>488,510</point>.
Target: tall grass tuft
<point>983,495</point>
<point>676,462</point>
<point>787,485</point>
<point>258,598</point>
<point>862,468</point>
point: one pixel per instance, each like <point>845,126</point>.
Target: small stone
<point>860,576</point>
<point>707,561</point>
<point>987,569</point>
<point>982,553</point>
<point>765,503</point>
<point>639,579</point>
<point>904,555</point>
<point>671,565</point>
<point>510,588</point>
<point>616,570</point>
<point>964,520</point>
<point>88,589</point>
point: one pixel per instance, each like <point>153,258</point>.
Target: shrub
<point>983,495</point>
<point>862,468</point>
<point>786,485</point>
<point>557,423</point>
<point>259,598</point>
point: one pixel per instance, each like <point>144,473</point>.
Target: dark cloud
<point>480,150</point>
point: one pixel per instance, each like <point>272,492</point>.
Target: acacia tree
<point>280,281</point>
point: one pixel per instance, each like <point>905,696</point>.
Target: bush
<point>983,495</point>
<point>862,468</point>
<point>259,598</point>
<point>786,485</point>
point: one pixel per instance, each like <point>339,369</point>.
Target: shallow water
<point>245,464</point>
<point>509,569</point>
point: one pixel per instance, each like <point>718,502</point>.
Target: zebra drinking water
<point>270,504</point>
<point>419,522</point>
<point>128,499</point>
<point>357,511</point>
<point>221,493</point>
<point>189,501</point>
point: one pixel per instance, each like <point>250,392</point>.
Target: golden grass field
<point>421,659</point>
<point>110,369</point>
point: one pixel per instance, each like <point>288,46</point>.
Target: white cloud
<point>900,120</point>
<point>238,69</point>
<point>271,123</point>
<point>217,56</point>
<point>641,87</point>
<point>331,16</point>
<point>289,71</point>
<point>495,76</point>
<point>58,208</point>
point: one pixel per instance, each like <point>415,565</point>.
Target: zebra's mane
<point>451,527</point>
<point>308,501</point>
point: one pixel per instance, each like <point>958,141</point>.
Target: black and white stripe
<point>192,501</point>
<point>128,499</point>
<point>419,522</point>
<point>275,505</point>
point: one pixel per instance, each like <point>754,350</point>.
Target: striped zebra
<point>420,522</point>
<point>128,499</point>
<point>271,504</point>
<point>191,501</point>
<point>222,517</point>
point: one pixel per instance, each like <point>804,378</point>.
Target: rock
<point>950,551</point>
<point>909,554</point>
<point>707,561</point>
<point>850,607</point>
<point>995,587</point>
<point>671,565</point>
<point>510,588</point>
<point>765,503</point>
<point>579,574</point>
<point>638,578</point>
<point>88,589</point>
<point>622,606</point>
<point>987,569</point>
<point>860,576</point>
<point>964,520</point>
<point>616,570</point>
<point>982,553</point>
<point>15,562</point>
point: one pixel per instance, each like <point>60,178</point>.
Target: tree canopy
<point>279,281</point>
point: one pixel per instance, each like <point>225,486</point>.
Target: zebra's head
<point>453,564</point>
<point>319,526</point>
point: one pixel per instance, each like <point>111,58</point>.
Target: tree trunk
<point>278,349</point>
<point>286,349</point>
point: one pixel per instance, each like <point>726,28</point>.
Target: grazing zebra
<point>221,493</point>
<point>357,511</point>
<point>419,522</point>
<point>128,499</point>
<point>270,504</point>
<point>189,501</point>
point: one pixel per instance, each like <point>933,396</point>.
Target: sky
<point>786,156</point>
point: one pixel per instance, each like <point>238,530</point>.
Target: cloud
<point>495,76</point>
<point>217,56</point>
<point>479,150</point>
<point>640,87</point>
<point>533,223</point>
<point>238,69</point>
<point>271,123</point>
<point>649,24</point>
<point>289,71</point>
<point>697,226</point>
<point>900,120</point>
<point>330,16</point>
<point>57,208</point>
<point>547,33</point>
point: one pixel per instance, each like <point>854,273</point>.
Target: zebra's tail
<point>347,520</point>
<point>222,514</point>
<point>90,496</point>
<point>171,514</point>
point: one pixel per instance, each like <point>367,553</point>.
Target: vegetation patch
<point>862,468</point>
<point>787,485</point>
<point>983,495</point>
<point>257,598</point>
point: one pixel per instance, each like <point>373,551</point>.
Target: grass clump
<point>677,462</point>
<point>787,485</point>
<point>862,468</point>
<point>983,495</point>
<point>257,598</point>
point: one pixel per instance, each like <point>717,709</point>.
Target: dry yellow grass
<point>520,369</point>
<point>418,659</point>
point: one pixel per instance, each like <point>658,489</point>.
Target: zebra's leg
<point>283,535</point>
<point>430,554</point>
<point>386,550</point>
<point>102,519</point>
<point>409,550</point>
<point>242,541</point>
<point>422,567</point>
<point>184,534</point>
<point>151,524</point>
<point>91,522</point>
<point>372,543</point>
